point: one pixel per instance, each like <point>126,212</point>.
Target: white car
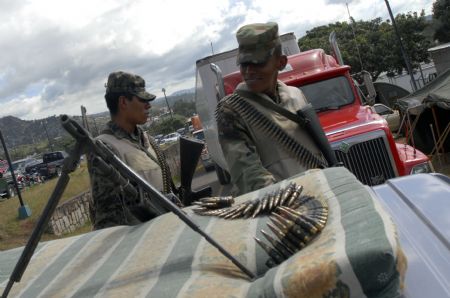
<point>172,137</point>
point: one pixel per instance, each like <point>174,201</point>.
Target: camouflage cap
<point>257,42</point>
<point>120,81</point>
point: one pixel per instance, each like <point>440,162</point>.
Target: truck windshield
<point>329,94</point>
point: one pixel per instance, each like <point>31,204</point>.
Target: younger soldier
<point>262,146</point>
<point>129,106</point>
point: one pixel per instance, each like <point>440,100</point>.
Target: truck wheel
<point>10,191</point>
<point>58,172</point>
<point>222,175</point>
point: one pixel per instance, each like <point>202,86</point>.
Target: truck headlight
<point>422,168</point>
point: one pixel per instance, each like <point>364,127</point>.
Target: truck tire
<point>222,175</point>
<point>58,172</point>
<point>10,191</point>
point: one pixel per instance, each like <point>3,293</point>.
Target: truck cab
<point>360,138</point>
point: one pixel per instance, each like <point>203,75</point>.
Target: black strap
<point>273,106</point>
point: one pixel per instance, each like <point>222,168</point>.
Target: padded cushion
<point>357,254</point>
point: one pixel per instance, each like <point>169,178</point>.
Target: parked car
<point>158,138</point>
<point>52,164</point>
<point>172,137</point>
<point>182,131</point>
<point>33,166</point>
<point>205,158</point>
<point>7,188</point>
<point>391,116</point>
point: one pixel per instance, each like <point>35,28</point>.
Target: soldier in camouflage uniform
<point>129,106</point>
<point>259,155</point>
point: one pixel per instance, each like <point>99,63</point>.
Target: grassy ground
<point>15,232</point>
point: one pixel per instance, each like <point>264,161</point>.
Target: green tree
<point>372,45</point>
<point>185,108</point>
<point>167,125</point>
<point>441,13</point>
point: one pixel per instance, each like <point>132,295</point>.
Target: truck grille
<point>368,159</point>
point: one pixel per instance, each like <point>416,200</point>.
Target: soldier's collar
<point>120,133</point>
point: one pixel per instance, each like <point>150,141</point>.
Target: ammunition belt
<point>166,175</point>
<point>295,218</point>
<point>251,115</point>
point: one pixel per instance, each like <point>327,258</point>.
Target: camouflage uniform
<point>139,151</point>
<point>254,159</point>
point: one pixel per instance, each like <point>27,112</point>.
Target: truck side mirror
<point>368,83</point>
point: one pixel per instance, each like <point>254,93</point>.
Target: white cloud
<point>56,55</point>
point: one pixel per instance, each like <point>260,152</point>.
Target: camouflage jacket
<point>108,207</point>
<point>256,158</point>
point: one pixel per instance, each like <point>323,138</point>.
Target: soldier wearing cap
<point>129,104</point>
<point>256,156</point>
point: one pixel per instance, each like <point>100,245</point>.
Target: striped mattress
<point>356,255</point>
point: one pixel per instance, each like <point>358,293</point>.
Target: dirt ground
<point>441,163</point>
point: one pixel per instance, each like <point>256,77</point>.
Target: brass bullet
<point>257,209</point>
<point>287,193</point>
<point>316,222</point>
<point>248,210</point>
<point>302,223</point>
<point>271,252</point>
<point>277,198</point>
<point>279,246</point>
<point>293,243</point>
<point>279,224</point>
<point>297,191</point>
<point>265,202</point>
<point>271,202</point>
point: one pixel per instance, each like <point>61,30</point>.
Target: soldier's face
<point>137,110</point>
<point>262,78</point>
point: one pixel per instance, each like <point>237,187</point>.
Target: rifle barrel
<point>99,148</point>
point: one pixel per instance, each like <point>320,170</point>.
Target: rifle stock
<point>190,152</point>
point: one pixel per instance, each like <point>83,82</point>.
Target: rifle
<point>109,162</point>
<point>190,151</point>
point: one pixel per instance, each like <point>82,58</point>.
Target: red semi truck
<point>360,137</point>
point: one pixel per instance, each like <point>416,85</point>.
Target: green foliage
<point>167,125</point>
<point>15,232</point>
<point>373,45</point>
<point>185,108</point>
<point>441,13</point>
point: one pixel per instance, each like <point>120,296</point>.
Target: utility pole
<point>170,110</point>
<point>46,133</point>
<point>354,36</point>
<point>405,56</point>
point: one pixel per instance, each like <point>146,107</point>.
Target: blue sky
<point>56,55</point>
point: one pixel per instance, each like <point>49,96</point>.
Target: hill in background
<point>17,132</point>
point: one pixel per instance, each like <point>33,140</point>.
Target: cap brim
<point>254,56</point>
<point>145,95</point>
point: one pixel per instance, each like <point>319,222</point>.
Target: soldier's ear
<point>122,102</point>
<point>282,62</point>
